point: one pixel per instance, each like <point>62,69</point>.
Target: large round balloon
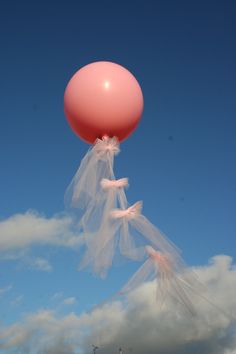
<point>103,98</point>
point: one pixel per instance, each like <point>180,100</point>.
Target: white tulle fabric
<point>97,164</point>
<point>109,226</point>
<point>110,195</point>
<point>123,231</point>
<point>134,230</point>
<point>97,226</point>
<point>173,279</point>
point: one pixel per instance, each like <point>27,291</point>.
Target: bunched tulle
<point>134,230</point>
<point>173,279</point>
<point>97,164</point>
<point>123,231</point>
<point>110,195</point>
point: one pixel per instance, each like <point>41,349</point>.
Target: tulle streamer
<point>110,226</point>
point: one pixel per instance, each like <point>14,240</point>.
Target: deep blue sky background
<point>180,160</point>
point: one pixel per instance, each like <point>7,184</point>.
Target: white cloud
<point>63,301</point>
<point>22,231</point>
<point>57,296</point>
<point>5,289</point>
<point>18,300</point>
<point>138,323</point>
<point>69,301</point>
<point>41,264</point>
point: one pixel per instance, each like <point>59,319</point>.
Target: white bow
<point>119,183</point>
<point>130,213</point>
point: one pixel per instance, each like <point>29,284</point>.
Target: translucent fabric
<point>97,164</point>
<point>110,195</point>
<point>134,230</point>
<point>110,227</point>
<point>123,232</point>
<point>97,226</point>
<point>100,252</point>
<point>173,279</point>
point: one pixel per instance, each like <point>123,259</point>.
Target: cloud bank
<point>138,325</point>
<point>22,231</point>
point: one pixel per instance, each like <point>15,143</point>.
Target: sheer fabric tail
<point>110,226</point>
<point>97,164</point>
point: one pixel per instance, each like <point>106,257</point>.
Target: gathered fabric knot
<point>107,144</point>
<point>110,184</point>
<point>130,213</point>
<point>161,259</point>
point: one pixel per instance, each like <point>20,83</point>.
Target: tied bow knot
<point>130,213</point>
<point>109,184</point>
<point>107,144</point>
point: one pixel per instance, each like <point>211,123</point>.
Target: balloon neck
<point>105,137</point>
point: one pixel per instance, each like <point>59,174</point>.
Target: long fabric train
<point>110,226</point>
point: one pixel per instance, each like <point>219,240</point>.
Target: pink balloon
<point>103,98</point>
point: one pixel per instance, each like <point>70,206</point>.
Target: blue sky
<point>180,161</point>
